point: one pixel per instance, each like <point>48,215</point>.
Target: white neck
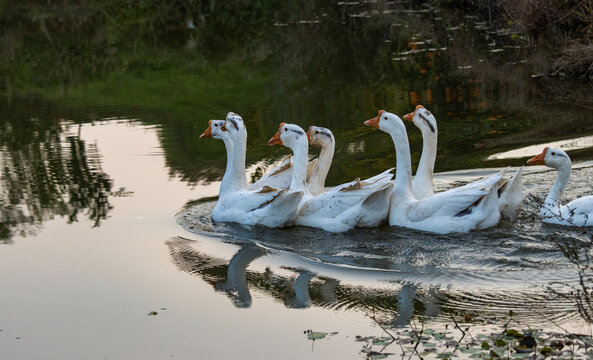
<point>229,182</point>
<point>239,153</point>
<point>317,178</point>
<point>234,178</point>
<point>560,185</point>
<point>403,172</point>
<point>423,181</point>
<point>299,167</point>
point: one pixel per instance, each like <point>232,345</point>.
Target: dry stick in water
<point>388,333</point>
<point>418,336</point>
<point>463,332</point>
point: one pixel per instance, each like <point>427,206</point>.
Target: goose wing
<point>339,199</point>
<point>449,203</point>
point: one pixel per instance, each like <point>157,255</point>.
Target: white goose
<point>578,212</point>
<point>280,176</point>
<point>510,192</point>
<point>323,138</point>
<point>339,209</point>
<point>236,203</point>
<point>445,212</point>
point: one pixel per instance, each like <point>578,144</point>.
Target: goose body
<point>374,209</point>
<point>236,203</point>
<point>456,210</point>
<point>338,209</point>
<point>510,192</point>
<point>578,212</point>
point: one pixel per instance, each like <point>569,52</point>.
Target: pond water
<point>108,251</point>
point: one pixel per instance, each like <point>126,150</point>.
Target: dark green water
<point>97,163</point>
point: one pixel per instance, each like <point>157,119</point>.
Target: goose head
<point>424,120</point>
<point>389,123</point>
<point>216,129</point>
<point>289,135</point>
<point>320,137</point>
<point>551,157</point>
<point>235,125</point>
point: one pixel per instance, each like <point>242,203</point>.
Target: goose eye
<point>385,118</point>
<point>553,153</point>
<point>316,132</point>
<point>216,125</point>
<point>285,129</point>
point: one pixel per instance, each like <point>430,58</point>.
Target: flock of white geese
<point>294,193</point>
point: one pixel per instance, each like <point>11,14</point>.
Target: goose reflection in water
<point>236,283</point>
<point>302,286</point>
<point>233,279</point>
<point>307,288</point>
<point>397,301</point>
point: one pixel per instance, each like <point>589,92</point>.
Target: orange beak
<point>374,122</point>
<point>208,132</point>
<point>309,135</point>
<point>538,159</point>
<point>410,116</point>
<point>275,140</point>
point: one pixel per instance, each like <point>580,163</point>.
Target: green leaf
<point>513,332</point>
<point>546,351</point>
<point>378,356</point>
<point>485,345</point>
<point>500,343</point>
<point>445,355</point>
<point>314,335</point>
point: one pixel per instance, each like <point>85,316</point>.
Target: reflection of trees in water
<point>46,174</point>
<point>578,249</point>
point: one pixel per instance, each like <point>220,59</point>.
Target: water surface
<point>107,248</point>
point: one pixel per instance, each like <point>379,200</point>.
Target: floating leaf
<point>500,343</point>
<point>528,342</point>
<point>445,355</point>
<point>315,335</point>
<point>485,345</point>
<point>152,313</point>
<point>380,342</point>
<point>546,351</point>
<point>513,332</point>
<point>520,356</point>
<point>377,355</point>
<point>523,350</point>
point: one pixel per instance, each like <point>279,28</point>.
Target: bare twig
<point>463,332</point>
<point>383,328</point>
